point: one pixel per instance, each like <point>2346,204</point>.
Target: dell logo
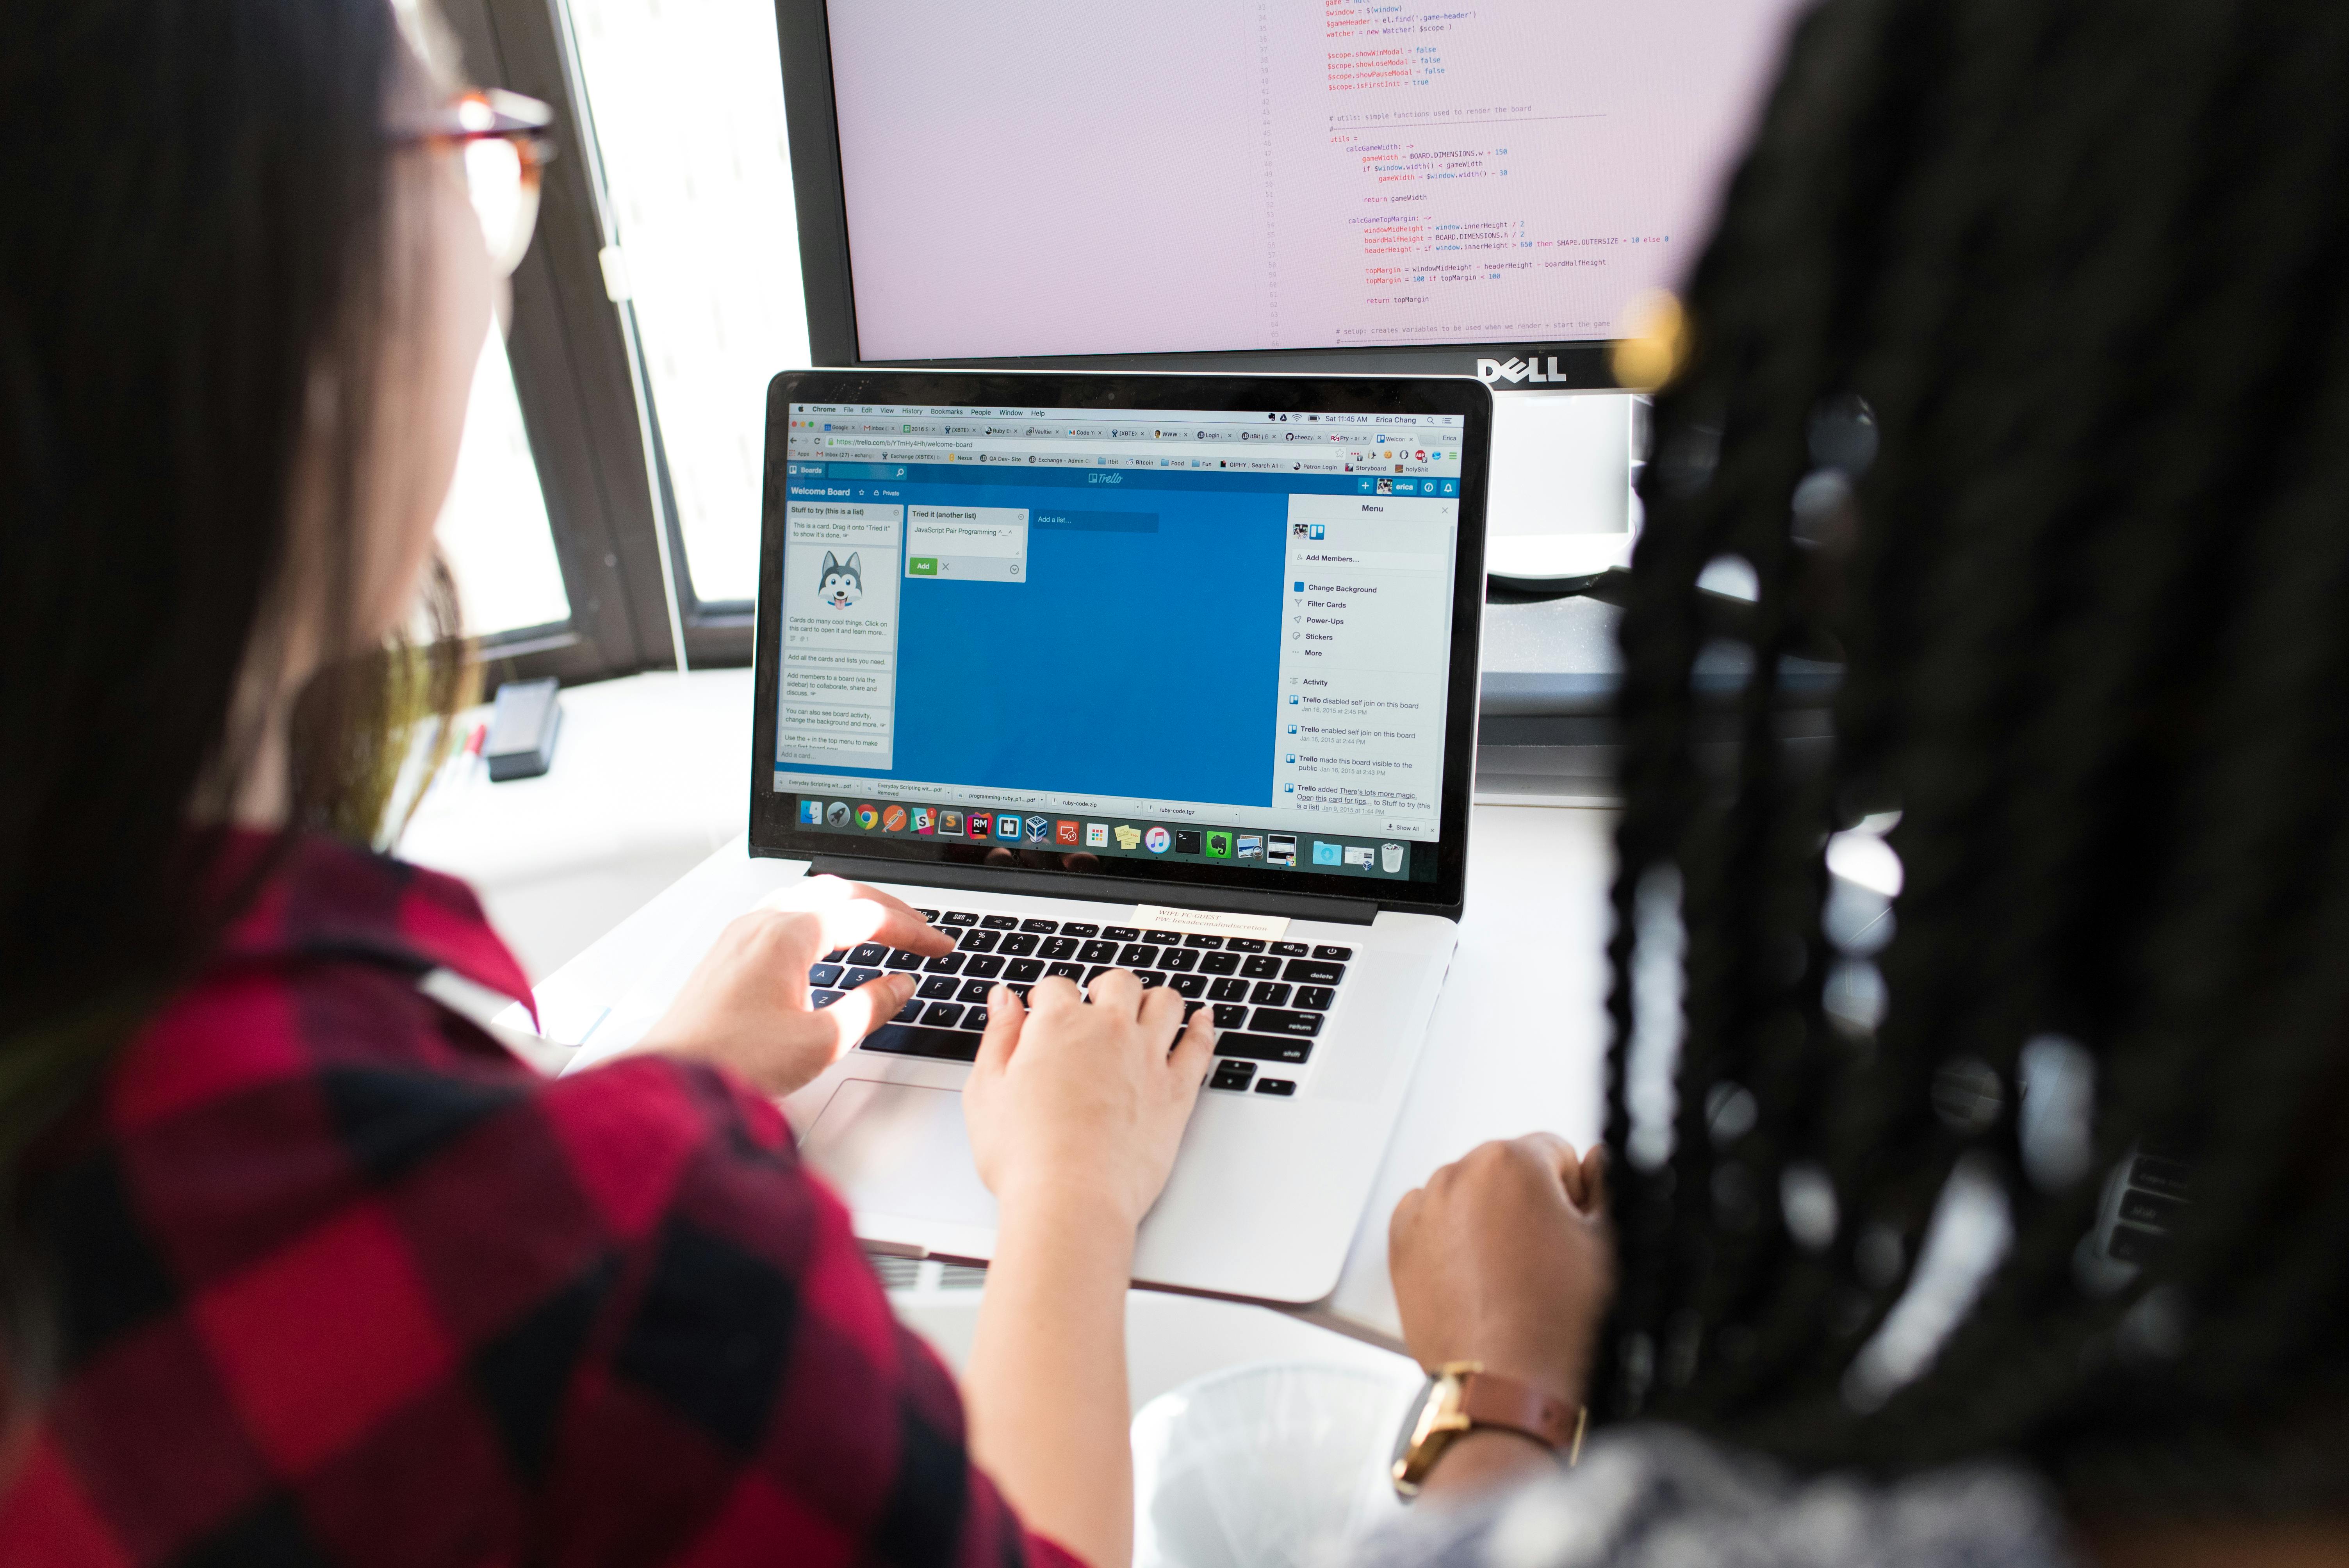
<point>1494,371</point>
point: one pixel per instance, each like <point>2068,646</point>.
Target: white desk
<point>1516,1044</point>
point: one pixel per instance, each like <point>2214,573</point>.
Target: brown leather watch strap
<point>1488,1400</point>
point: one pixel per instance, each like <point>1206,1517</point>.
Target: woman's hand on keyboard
<point>1071,1096</point>
<point>746,1006</point>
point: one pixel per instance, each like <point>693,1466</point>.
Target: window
<point>660,295</point>
<point>688,105</point>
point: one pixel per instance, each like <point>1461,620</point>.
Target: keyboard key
<point>2168,1177</point>
<point>1067,972</point>
<point>1150,979</point>
<point>1229,1015</point>
<point>1095,973</point>
<point>1276,1085</point>
<point>930,914</point>
<point>1164,937</point>
<point>974,991</point>
<point>1079,928</point>
<point>1242,945</point>
<point>1189,1008</point>
<point>1290,949</point>
<point>1000,922</point>
<point>901,959</point>
<point>1269,994</point>
<point>974,1020</point>
<point>1177,959</point>
<point>1195,940</point>
<point>1136,955</point>
<point>1229,990</point>
<point>1284,1021</point>
<point>1263,1048</point>
<point>1316,998</point>
<point>911,1013</point>
<point>1024,969</point>
<point>1059,947</point>
<point>919,1040</point>
<point>867,952</point>
<point>1219,964</point>
<point>1122,932</point>
<point>824,998</point>
<point>855,977</point>
<point>944,964</point>
<point>2132,1245</point>
<point>1314,973</point>
<point>1020,991</point>
<point>956,917</point>
<point>2146,1208</point>
<point>1231,1075</point>
<point>1099,953</point>
<point>836,955</point>
<point>823,974</point>
<point>1187,985</point>
<point>1334,954</point>
<point>986,965</point>
<point>939,987</point>
<point>1018,946</point>
<point>980,941</point>
<point>942,1015</point>
<point>1040,927</point>
<point>1260,967</point>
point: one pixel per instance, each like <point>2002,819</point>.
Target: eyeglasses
<point>502,140</point>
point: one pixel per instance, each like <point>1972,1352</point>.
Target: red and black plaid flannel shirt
<point>344,1282</point>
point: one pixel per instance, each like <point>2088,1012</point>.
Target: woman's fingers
<point>1118,991</point>
<point>846,913</point>
<point>856,1014</point>
<point>1161,1014</point>
<point>1005,1015</point>
<point>1195,1051</point>
<point>1055,991</point>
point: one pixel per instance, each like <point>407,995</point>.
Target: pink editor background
<point>1052,177</point>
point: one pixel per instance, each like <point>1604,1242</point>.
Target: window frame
<point>586,402</point>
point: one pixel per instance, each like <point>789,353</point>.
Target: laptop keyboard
<point>1268,1000</point>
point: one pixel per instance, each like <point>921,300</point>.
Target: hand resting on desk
<point>1504,1257</point>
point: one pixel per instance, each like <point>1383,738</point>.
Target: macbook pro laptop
<point>1163,672</point>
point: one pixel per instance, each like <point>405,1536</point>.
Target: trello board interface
<point>1162,616</point>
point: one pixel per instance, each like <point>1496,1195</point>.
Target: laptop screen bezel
<point>774,829</point>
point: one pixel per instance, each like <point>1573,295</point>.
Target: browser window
<point>1208,636</point>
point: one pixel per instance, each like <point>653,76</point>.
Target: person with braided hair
<point>1974,1187</point>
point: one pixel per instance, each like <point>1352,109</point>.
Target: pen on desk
<point>474,743</point>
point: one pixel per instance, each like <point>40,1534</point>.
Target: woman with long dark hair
<point>1975,1101</point>
<point>295,1264</point>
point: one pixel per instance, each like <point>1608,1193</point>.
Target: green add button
<point>922,567</point>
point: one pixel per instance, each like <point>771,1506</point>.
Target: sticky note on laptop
<point>1208,921</point>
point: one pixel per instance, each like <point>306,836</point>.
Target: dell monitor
<point>1258,185</point>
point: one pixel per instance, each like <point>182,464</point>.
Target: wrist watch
<point>1461,1397</point>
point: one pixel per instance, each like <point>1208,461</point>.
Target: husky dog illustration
<point>843,582</point>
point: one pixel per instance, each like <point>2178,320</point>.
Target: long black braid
<point>2018,375</point>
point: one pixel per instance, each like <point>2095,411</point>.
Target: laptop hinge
<point>1096,890</point>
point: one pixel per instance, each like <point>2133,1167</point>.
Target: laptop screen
<point>1125,639</point>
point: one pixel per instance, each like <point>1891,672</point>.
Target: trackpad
<point>899,1148</point>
